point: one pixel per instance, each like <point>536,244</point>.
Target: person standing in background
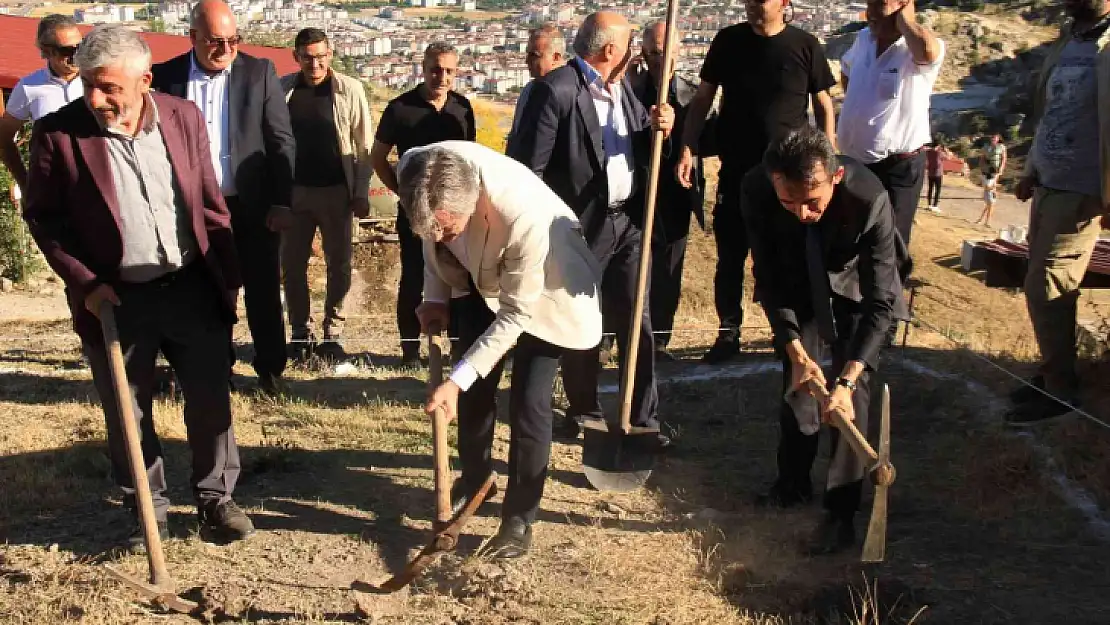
<point>253,152</point>
<point>992,162</point>
<point>429,113</point>
<point>547,50</point>
<point>770,73</point>
<point>888,77</point>
<point>42,92</point>
<point>934,166</point>
<point>332,126</point>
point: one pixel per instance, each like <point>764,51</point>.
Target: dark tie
<point>819,284</point>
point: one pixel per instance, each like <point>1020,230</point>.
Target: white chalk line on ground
<point>1074,494</point>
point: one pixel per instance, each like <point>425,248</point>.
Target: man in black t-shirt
<point>331,185</point>
<point>770,73</point>
<point>429,113</point>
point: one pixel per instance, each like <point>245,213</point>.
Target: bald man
<point>587,136</point>
<point>252,151</point>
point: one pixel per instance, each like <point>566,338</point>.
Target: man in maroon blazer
<point>123,201</point>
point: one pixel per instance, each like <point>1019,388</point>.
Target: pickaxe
<point>160,590</point>
<point>446,529</point>
<point>878,465</point>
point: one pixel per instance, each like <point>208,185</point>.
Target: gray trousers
<point>327,209</point>
<point>181,316</point>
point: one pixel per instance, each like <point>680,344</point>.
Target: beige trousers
<point>1063,229</point>
<point>326,208</point>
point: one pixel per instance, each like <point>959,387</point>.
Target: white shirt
<point>39,94</point>
<point>209,93</point>
<point>886,109</point>
<point>615,138</point>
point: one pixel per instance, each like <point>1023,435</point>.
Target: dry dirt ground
<point>985,526</point>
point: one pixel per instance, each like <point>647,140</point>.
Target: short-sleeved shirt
<point>39,94</point>
<point>886,108</point>
<point>1065,147</point>
<point>409,121</point>
<point>767,83</point>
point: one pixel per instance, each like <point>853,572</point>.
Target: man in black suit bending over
<point>252,153</point>
<point>587,136</point>
<point>826,263</point>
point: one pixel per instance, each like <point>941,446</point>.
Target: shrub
<point>19,257</point>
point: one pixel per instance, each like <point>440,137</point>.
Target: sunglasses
<point>230,42</point>
<point>65,51</point>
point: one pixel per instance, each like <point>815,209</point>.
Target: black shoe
<point>332,352</point>
<point>271,386</point>
<point>513,540</point>
<point>224,522</point>
<point>782,497</point>
<point>1040,410</point>
<point>461,495</point>
<point>137,544</point>
<point>1028,392</point>
<point>724,350</point>
<point>570,427</point>
<point>300,349</point>
<point>833,535</point>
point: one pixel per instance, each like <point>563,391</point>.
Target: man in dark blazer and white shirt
<point>828,267</point>
<point>587,136</point>
<point>125,206</point>
<point>253,155</point>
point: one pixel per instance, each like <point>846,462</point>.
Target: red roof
<point>19,56</point>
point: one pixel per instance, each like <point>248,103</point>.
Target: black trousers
<point>732,253</point>
<point>903,179</point>
<point>182,317</point>
<point>411,289</point>
<point>259,251</point>
<point>933,193</point>
<point>535,364</point>
<point>617,248</point>
<point>667,259</point>
<point>797,451</point>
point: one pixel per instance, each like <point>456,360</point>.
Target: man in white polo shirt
<point>888,76</point>
<point>43,92</point>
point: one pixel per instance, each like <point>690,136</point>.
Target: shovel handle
<point>440,449</point>
<point>855,438</point>
<point>156,558</point>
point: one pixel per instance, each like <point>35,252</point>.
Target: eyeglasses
<point>216,42</point>
<point>65,51</point>
<point>312,58</point>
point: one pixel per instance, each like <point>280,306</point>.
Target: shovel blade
<point>617,462</point>
<point>874,546</point>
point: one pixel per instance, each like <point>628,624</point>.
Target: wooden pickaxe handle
<point>855,438</point>
<point>440,449</point>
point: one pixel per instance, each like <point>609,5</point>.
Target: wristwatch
<point>845,382</point>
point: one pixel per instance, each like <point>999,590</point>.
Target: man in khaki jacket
<point>1068,177</point>
<point>505,262</point>
<point>331,123</point>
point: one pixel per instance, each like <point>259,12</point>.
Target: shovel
<point>160,589</point>
<point>621,460</point>
<point>878,465</point>
<point>446,529</point>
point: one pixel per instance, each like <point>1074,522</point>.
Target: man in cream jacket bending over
<point>505,262</point>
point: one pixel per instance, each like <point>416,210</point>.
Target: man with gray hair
<point>43,92</point>
<point>587,136</point>
<point>124,203</point>
<point>505,263</point>
<point>547,50</point>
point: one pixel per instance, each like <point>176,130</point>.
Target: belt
<point>904,156</point>
<point>166,279</point>
<point>617,209</point>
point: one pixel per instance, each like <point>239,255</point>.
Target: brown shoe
<point>225,522</point>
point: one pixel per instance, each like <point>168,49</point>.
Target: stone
<point>6,285</point>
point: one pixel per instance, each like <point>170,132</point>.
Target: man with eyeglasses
<point>331,185</point>
<point>253,150</point>
<point>43,92</point>
<point>770,72</point>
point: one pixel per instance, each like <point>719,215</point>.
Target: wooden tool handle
<point>855,438</point>
<point>633,346</point>
<point>440,450</point>
<point>156,558</point>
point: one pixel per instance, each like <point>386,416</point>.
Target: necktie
<point>819,284</point>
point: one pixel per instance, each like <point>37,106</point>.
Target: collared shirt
<point>154,222</point>
<point>886,109</point>
<point>41,93</point>
<point>616,140</point>
<point>409,121</point>
<point>209,93</point>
